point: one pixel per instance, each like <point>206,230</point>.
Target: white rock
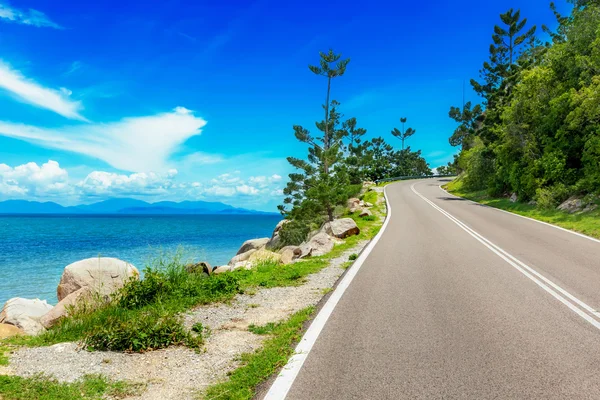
<point>62,309</point>
<point>241,257</point>
<point>341,228</point>
<point>241,264</point>
<point>318,245</point>
<point>252,244</point>
<point>221,269</point>
<point>513,198</point>
<point>25,314</point>
<point>572,205</point>
<point>365,213</point>
<point>104,275</point>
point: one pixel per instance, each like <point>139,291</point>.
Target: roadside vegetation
<point>587,223</point>
<point>536,134</point>
<point>92,387</point>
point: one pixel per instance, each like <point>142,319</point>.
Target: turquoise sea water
<point>35,249</point>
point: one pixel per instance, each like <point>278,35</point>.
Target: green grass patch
<point>587,223</point>
<point>44,388</point>
<point>370,197</point>
<point>257,367</point>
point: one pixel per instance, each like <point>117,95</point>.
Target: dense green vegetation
<point>339,161</point>
<point>257,367</point>
<point>91,387</point>
<point>587,223</point>
<point>537,131</point>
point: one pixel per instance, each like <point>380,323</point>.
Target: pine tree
<point>404,134</point>
<point>321,182</point>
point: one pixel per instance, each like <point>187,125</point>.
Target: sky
<point>195,100</point>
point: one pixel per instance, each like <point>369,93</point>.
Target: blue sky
<point>195,100</point>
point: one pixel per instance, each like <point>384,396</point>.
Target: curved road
<point>461,301</point>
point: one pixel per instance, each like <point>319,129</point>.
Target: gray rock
<point>199,268</point>
<point>367,204</point>
<point>341,228</point>
<point>82,297</point>
<point>253,244</point>
<point>289,254</point>
<point>221,269</point>
<point>275,241</point>
<point>513,198</point>
<point>104,275</point>
<point>571,205</point>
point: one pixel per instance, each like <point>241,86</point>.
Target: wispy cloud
<point>74,67</point>
<point>33,93</point>
<point>27,17</point>
<point>132,144</point>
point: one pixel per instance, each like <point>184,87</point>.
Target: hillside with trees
<point>536,133</point>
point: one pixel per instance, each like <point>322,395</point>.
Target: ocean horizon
<point>35,248</point>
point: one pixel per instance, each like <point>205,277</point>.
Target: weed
<point>352,257</point>
<point>326,290</point>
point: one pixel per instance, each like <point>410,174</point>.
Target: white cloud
<point>33,93</point>
<point>33,180</point>
<point>27,17</point>
<point>201,158</point>
<point>247,190</point>
<point>133,144</point>
<point>107,184</point>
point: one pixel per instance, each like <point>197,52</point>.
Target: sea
<point>34,249</point>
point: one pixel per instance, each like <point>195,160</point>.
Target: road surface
<point>461,301</point>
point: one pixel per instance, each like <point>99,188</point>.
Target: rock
<point>318,245</point>
<point>513,198</point>
<point>532,203</point>
<point>590,207</point>
<point>353,202</point>
<point>341,228</point>
<point>289,254</point>
<point>252,244</point>
<point>104,275</point>
<point>81,298</point>
<point>199,268</point>
<point>367,204</point>
<point>365,213</point>
<point>241,264</point>
<point>17,306</point>
<point>572,205</point>
<point>25,314</point>
<point>264,255</point>
<point>275,240</point>
<point>7,330</point>
<point>221,269</point>
<point>241,257</point>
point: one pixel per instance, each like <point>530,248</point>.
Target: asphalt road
<point>438,311</point>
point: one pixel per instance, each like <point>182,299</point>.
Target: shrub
<point>151,328</point>
<point>294,233</point>
<point>353,257</point>
<point>550,197</point>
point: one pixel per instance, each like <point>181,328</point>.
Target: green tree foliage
<point>539,135</point>
<point>404,133</point>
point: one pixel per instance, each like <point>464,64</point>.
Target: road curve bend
<point>460,301</point>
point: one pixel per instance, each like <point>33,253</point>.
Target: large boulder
<point>341,228</point>
<point>289,254</point>
<point>199,268</point>
<point>572,205</point>
<point>104,275</point>
<point>264,255</point>
<point>7,330</point>
<point>222,269</point>
<point>318,245</point>
<point>241,257</point>
<point>25,314</point>
<point>81,298</point>
<point>275,240</point>
<point>252,244</point>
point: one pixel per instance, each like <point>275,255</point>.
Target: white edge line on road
<point>284,381</point>
<point>523,268</point>
<point>522,216</point>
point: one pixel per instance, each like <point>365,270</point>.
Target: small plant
<point>263,329</point>
<point>326,290</point>
<point>353,257</point>
<point>198,328</point>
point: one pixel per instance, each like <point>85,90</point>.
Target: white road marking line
<point>522,216</point>
<point>523,268</point>
<point>284,381</point>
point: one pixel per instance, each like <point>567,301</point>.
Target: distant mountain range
<point>125,206</point>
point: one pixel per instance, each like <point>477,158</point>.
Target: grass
<point>586,223</point>
<point>44,388</point>
<point>258,366</point>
